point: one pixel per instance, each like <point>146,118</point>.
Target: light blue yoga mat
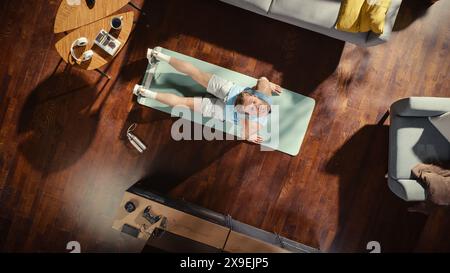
<point>291,112</point>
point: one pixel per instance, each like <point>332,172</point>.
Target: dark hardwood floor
<point>64,162</point>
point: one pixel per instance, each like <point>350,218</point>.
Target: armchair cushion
<point>414,140</point>
<point>442,124</point>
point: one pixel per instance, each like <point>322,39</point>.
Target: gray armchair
<point>413,140</point>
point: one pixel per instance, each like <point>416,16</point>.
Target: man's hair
<point>240,99</point>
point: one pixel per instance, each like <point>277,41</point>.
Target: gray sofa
<point>319,16</point>
<point>412,140</point>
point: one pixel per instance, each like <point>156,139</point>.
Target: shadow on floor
<point>410,11</point>
<point>55,126</point>
<point>192,157</point>
<point>168,163</point>
<point>361,164</point>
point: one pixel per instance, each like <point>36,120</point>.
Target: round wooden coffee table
<point>84,21</point>
<point>70,17</point>
<point>90,31</point>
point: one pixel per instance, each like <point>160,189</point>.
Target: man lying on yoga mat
<point>248,107</point>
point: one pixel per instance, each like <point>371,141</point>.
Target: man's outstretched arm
<point>266,87</point>
<point>250,131</point>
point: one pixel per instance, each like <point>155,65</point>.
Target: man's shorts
<point>214,107</point>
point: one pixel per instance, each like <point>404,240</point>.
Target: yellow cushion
<point>363,15</point>
<point>374,15</point>
<point>349,15</point>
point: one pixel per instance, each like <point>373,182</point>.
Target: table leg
<point>103,73</point>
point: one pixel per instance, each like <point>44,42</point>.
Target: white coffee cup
<point>116,22</point>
